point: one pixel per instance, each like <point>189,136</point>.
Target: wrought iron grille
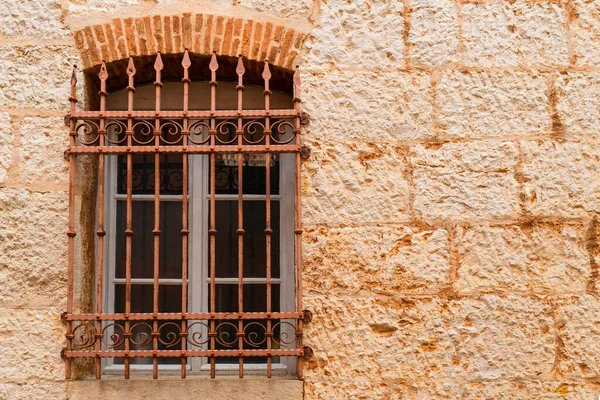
<point>153,149</point>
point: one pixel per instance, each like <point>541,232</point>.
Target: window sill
<point>199,386</point>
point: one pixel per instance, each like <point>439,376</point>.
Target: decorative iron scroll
<point>144,142</point>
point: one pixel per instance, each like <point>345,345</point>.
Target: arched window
<point>198,222</point>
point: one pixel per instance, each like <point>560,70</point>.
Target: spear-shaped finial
<point>213,62</point>
<point>186,63</point>
<point>266,75</point>
<point>131,67</point>
<point>240,70</point>
<point>74,76</point>
<point>103,72</point>
<point>297,77</point>
<point>158,64</point>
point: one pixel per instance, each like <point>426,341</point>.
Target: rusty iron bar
<point>268,231</point>
<point>194,114</point>
<point>190,353</point>
<point>286,148</point>
<point>213,66</point>
<point>188,316</point>
<point>240,231</point>
<point>158,66</point>
<point>298,223</point>
<point>186,64</point>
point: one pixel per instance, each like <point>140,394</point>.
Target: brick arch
<point>199,33</point>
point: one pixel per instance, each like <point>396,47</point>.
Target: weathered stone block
<point>460,181</point>
<point>355,183</point>
<point>578,103</point>
<point>33,247</point>
<point>388,260</point>
<point>35,338</point>
<point>284,9</point>
<point>35,76</point>
<point>31,19</point>
<point>492,104</point>
<point>517,33</point>
<point>358,34</point>
<point>579,329</point>
<point>33,389</point>
<point>366,105</point>
<point>561,178</point>
<point>411,339</point>
<point>585,30</point>
<point>6,146</point>
<point>538,257</point>
<point>42,143</point>
<point>433,34</point>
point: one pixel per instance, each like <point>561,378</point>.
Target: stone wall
<point>450,203</point>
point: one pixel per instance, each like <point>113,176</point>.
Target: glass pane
<point>255,298</point>
<point>169,298</point>
<point>255,253</point>
<point>142,241</point>
<point>255,180</point>
<point>171,174</point>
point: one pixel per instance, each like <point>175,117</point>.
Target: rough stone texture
<point>33,249</point>
<point>35,76</point>
<point>355,183</point>
<point>433,34</point>
<point>463,180</point>
<point>357,104</point>
<point>360,34</point>
<point>512,34</point>
<point>497,103</point>
<point>578,103</point>
<point>17,21</point>
<point>579,326</point>
<point>585,30</point>
<point>411,339</point>
<point>6,146</point>
<point>385,260</point>
<point>24,330</point>
<point>300,9</point>
<point>42,143</point>
<point>572,189</point>
<point>527,257</point>
<point>32,390</point>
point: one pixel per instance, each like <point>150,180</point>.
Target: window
<point>198,226</point>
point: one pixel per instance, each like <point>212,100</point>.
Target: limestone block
<point>284,9</point>
<point>459,181</point>
<point>410,339</point>
<point>35,76</point>
<point>585,30</point>
<point>433,34</point>
<point>32,390</point>
<point>42,143</point>
<point>35,339</point>
<point>561,178</point>
<point>578,103</point>
<point>492,104</point>
<point>366,105</point>
<point>388,260</point>
<point>33,247</point>
<point>6,146</point>
<point>512,34</point>
<point>579,329</point>
<point>357,34</point>
<point>538,257</point>
<point>318,388</point>
<point>31,19</point>
<point>354,183</point>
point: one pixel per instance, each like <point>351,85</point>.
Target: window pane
<point>255,298</point>
<point>171,174</point>
<point>142,241</point>
<point>255,253</point>
<point>255,181</point>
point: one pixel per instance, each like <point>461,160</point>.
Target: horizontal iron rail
<point>183,316</point>
<point>289,113</point>
<point>203,149</point>
<point>183,353</point>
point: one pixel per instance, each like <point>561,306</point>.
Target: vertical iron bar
<point>212,231</point>
<point>268,231</point>
<point>158,66</point>
<point>298,223</point>
<point>129,226</point>
<point>71,228</point>
<point>103,75</point>
<point>186,63</point>
<point>240,231</point>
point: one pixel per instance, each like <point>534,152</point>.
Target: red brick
<point>266,41</point>
<point>247,38</point>
<point>168,35</point>
<point>186,30</point>
<point>228,37</point>
<point>79,40</point>
<point>158,33</point>
<point>112,46</point>
<point>130,36</point>
<point>256,41</point>
<point>207,35</point>
<point>93,50</point>
<point>141,35</point>
<point>150,42</point>
<point>219,26</point>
